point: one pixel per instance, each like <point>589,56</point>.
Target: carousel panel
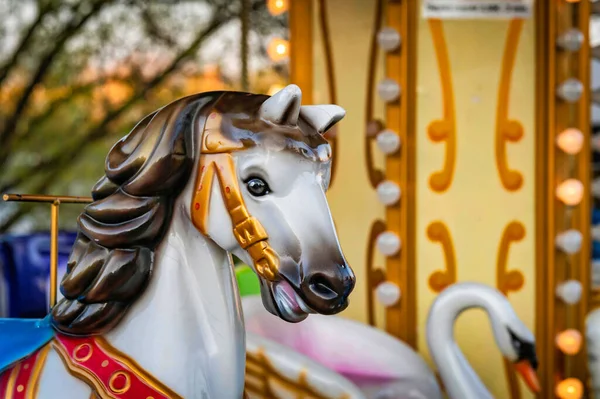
<point>475,177</point>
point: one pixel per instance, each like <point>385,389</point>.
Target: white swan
<point>514,340</point>
<point>393,368</point>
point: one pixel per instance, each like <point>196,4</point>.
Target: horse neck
<point>187,329</point>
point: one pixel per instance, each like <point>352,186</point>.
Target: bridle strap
<point>216,158</point>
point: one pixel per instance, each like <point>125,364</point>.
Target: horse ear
<point>322,117</point>
<point>283,107</point>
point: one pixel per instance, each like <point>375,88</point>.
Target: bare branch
<point>43,10</point>
<point>53,165</point>
<point>71,29</point>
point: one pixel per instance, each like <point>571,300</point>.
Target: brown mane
<point>112,260</point>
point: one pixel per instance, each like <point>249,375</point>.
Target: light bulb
<point>388,141</point>
<point>388,243</point>
<point>569,241</point>
<point>570,140</point>
<point>595,187</point>
<point>571,40</point>
<point>388,192</point>
<point>388,90</point>
<point>571,388</point>
<point>278,49</point>
<point>570,90</point>
<point>569,341</point>
<point>277,7</point>
<point>569,291</point>
<point>388,39</point>
<point>387,293</point>
<point>274,89</point>
<point>570,192</point>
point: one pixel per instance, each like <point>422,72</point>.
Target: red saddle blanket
<point>109,373</point>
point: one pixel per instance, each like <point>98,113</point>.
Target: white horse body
<point>198,350</point>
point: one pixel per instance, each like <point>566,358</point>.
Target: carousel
<point>413,216</point>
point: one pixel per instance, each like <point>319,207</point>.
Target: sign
<point>477,9</point>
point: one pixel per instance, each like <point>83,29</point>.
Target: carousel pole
<point>54,202</point>
<point>53,251</point>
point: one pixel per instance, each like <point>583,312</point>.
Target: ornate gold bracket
<point>375,276</point>
<point>440,279</point>
<point>506,129</point>
<point>443,129</point>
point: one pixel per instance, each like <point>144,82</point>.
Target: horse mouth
<point>290,306</point>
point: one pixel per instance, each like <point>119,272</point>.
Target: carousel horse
<point>150,307</point>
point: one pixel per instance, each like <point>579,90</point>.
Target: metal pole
<point>54,252</point>
<point>65,199</point>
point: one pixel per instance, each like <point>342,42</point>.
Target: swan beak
<point>529,375</point>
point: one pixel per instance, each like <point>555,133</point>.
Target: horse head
<point>273,165</point>
<point>252,171</point>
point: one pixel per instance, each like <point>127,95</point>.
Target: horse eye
<point>257,186</point>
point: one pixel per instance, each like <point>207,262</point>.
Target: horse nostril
<point>322,287</point>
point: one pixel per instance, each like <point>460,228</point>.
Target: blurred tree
<point>76,75</point>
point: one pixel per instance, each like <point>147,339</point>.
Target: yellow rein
<point>216,157</point>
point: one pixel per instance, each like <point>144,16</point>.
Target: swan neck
<point>460,380</point>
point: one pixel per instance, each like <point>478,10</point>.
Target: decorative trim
<point>261,371</point>
<point>509,281</point>
<point>331,84</point>
<point>375,276</point>
<point>552,116</point>
<point>22,380</point>
<point>376,176</point>
<point>438,232</point>
<point>401,318</point>
<point>506,129</point>
<point>443,129</point>
<point>104,366</point>
<point>506,282</point>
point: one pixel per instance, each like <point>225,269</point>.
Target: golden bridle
<point>215,156</point>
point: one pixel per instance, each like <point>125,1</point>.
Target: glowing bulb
<point>569,241</point>
<point>570,192</point>
<point>275,89</point>
<point>277,7</point>
<point>569,291</point>
<point>388,243</point>
<point>570,141</point>
<point>571,388</point>
<point>387,293</point>
<point>388,141</point>
<point>278,49</point>
<point>388,90</point>
<point>570,90</point>
<point>569,341</point>
<point>388,39</point>
<point>388,192</point>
